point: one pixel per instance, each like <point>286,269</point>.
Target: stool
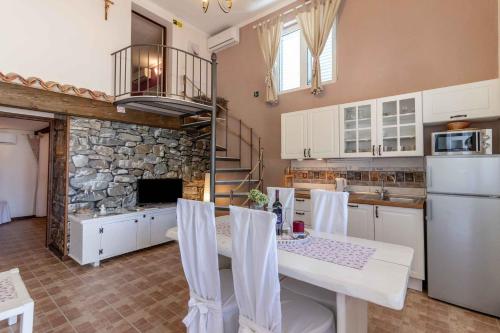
<point>15,300</point>
<point>4,212</point>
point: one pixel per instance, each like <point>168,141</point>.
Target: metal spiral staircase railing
<point>170,81</point>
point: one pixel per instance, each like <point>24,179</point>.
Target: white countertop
<point>382,281</point>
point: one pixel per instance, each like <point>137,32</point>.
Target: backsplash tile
<point>396,172</point>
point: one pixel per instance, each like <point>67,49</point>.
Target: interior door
<point>361,223</point>
<point>322,132</point>
<point>358,123</point>
<point>118,237</point>
<point>160,223</point>
<point>294,135</point>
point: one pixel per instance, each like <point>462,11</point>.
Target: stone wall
<point>106,159</point>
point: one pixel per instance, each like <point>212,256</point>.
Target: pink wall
<point>384,48</point>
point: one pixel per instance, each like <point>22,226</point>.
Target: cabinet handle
<point>300,200</point>
<point>459,116</point>
<point>353,206</point>
<point>379,150</point>
<point>299,213</point>
<point>305,150</point>
<point>136,221</point>
<point>144,216</point>
<point>309,152</point>
<point>376,211</point>
<point>152,217</point>
<point>373,150</point>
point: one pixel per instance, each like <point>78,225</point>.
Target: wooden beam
<point>18,96</point>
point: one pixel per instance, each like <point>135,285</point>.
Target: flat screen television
<point>151,191</point>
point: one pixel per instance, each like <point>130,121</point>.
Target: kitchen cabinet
<point>310,133</point>
<point>477,100</point>
<point>361,223</point>
<point>403,226</point>
<point>93,239</point>
<point>358,133</point>
<point>399,126</point>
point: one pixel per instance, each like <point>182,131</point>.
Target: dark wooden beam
<point>18,96</point>
<point>43,130</point>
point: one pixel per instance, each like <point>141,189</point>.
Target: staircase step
<point>197,124</point>
<point>203,136</point>
<point>219,170</point>
<point>221,148</point>
<point>227,194</point>
<point>227,158</point>
<point>235,181</point>
<point>224,208</point>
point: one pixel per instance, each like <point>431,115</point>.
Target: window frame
<point>290,27</point>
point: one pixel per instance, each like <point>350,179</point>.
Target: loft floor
<point>146,292</point>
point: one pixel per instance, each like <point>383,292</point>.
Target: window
<point>294,63</point>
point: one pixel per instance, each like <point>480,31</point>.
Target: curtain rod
<point>284,13</point>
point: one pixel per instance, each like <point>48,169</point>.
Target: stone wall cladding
<point>106,159</point>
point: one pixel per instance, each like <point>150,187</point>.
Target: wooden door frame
<point>51,152</point>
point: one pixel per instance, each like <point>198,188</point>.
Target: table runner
<point>329,250</point>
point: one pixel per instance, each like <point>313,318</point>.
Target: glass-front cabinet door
<point>358,133</point>
<point>399,125</point>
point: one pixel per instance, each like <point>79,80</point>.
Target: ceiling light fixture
<point>226,8</point>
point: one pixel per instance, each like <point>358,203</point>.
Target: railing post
<point>213,143</point>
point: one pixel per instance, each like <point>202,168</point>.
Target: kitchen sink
<point>401,200</point>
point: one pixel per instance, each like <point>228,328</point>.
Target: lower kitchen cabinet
<point>403,226</point>
<point>361,223</point>
<point>93,239</point>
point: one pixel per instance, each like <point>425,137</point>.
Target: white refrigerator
<point>463,231</point>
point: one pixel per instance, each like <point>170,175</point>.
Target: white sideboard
<point>93,239</point>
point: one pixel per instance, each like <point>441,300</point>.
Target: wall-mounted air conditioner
<point>8,138</point>
<point>224,39</point>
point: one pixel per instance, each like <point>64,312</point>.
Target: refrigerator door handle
<point>429,177</point>
<point>429,210</point>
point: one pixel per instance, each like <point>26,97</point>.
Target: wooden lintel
<point>18,96</point>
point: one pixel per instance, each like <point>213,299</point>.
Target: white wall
<point>69,41</point>
<point>18,175</point>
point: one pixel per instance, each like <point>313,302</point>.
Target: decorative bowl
<point>458,125</point>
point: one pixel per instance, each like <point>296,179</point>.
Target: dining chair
<point>329,214</point>
<point>263,307</point>
<point>212,305</point>
<point>287,199</point>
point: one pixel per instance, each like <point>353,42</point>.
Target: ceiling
<point>22,124</point>
<point>215,20</point>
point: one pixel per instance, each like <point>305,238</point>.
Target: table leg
<point>352,314</point>
<point>27,318</point>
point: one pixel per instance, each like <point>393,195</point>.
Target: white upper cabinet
<point>358,133</point>
<point>399,125</point>
<point>478,100</point>
<point>294,135</point>
<point>310,134</point>
<point>323,132</point>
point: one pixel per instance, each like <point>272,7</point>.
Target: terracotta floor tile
<point>146,292</point>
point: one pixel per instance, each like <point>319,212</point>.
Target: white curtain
<point>255,270</point>
<point>43,176</point>
<point>198,246</point>
<point>329,211</point>
<point>269,34</point>
<point>316,22</point>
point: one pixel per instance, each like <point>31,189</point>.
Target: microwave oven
<point>462,142</point>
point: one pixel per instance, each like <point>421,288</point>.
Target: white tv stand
<point>95,238</point>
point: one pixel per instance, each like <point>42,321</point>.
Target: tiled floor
<point>146,292</point>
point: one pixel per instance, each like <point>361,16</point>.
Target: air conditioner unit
<point>224,39</point>
<point>8,138</point>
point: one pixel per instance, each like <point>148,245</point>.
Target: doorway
<point>25,156</point>
<point>148,57</point>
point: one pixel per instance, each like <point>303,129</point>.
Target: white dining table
<point>383,280</point>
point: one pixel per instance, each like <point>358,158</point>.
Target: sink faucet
<point>382,192</point>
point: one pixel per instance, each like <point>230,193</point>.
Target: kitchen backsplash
<point>396,172</point>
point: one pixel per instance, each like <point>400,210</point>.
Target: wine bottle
<point>278,210</point>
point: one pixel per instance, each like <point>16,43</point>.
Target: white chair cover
<point>4,212</point>
<point>329,211</point>
<point>287,199</point>
<point>255,270</point>
<point>198,247</point>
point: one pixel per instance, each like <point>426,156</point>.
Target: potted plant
<point>258,199</point>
